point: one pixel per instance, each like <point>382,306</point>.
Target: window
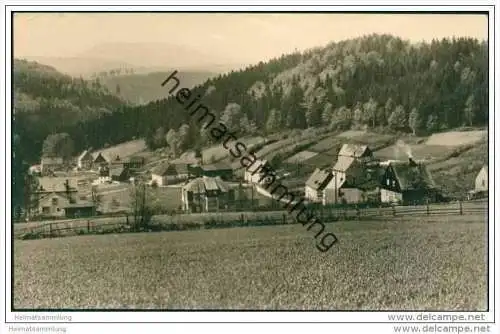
<point>54,201</point>
<point>483,182</point>
<point>393,183</point>
<point>58,209</point>
<point>388,182</point>
<point>46,209</point>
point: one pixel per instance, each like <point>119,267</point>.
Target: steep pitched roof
<point>170,169</point>
<point>52,161</point>
<point>353,150</point>
<point>413,177</point>
<point>204,184</point>
<point>319,179</point>
<point>216,166</point>
<point>256,165</point>
<point>343,163</point>
<point>85,155</point>
<point>56,184</point>
<point>117,171</point>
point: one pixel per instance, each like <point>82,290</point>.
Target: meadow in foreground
<point>435,263</point>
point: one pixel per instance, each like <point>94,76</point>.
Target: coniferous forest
<point>377,81</point>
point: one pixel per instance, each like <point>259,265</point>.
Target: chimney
<point>412,162</point>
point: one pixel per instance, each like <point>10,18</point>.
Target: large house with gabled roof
<point>407,183</point>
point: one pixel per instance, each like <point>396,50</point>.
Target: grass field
<point>430,264</point>
<point>125,149</point>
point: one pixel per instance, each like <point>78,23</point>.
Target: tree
<point>59,144</point>
<point>183,134</point>
<point>432,123</point>
<point>159,138</point>
<point>274,121</point>
<point>231,116</point>
<point>173,141</point>
<point>247,126</point>
<point>314,113</point>
<point>389,108</point>
<point>326,116</point>
<point>31,197</point>
<point>142,210</point>
<point>341,118</point>
<point>96,198</point>
<point>470,110</point>
<point>397,120</point>
<point>358,114</point>
<point>118,89</point>
<point>370,109</point>
<point>414,120</point>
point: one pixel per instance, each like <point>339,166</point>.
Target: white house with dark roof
<point>481,182</point>
<point>316,184</point>
<point>169,173</point>
<point>205,194</point>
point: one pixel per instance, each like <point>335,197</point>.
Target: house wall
<point>160,180</point>
<point>351,195</point>
<point>389,196</point>
<point>481,183</point>
<point>313,195</point>
<point>52,209</point>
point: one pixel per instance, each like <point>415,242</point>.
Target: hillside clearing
<point>457,138</point>
<point>125,149</point>
<point>429,264</point>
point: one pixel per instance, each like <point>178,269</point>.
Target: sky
<point>240,37</point>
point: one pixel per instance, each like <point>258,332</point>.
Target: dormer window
<point>54,201</point>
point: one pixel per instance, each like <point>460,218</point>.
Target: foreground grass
<point>432,264</point>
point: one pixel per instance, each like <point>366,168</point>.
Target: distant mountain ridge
<point>142,57</point>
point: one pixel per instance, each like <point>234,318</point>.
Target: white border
<point>355,317</point>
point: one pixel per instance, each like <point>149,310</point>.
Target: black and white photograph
<point>251,161</point>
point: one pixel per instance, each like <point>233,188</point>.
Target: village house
<point>101,160</point>
<point>50,164</point>
<point>316,184</point>
<point>217,169</point>
<point>352,176</point>
<point>84,160</point>
<point>119,173</point>
<point>134,163</point>
<point>407,183</point>
<point>169,174</point>
<point>253,172</point>
<point>52,205</point>
<point>481,183</point>
<point>206,194</point>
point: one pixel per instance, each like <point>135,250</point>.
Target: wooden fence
<point>229,219</point>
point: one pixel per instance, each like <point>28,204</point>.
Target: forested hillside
<point>141,88</point>
<point>370,82</point>
<point>46,101</point>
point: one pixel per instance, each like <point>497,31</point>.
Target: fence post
<point>284,218</point>
<point>88,226</point>
<point>461,210</point>
<point>358,212</point>
<point>50,230</point>
<point>428,211</point>
<point>393,210</point>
